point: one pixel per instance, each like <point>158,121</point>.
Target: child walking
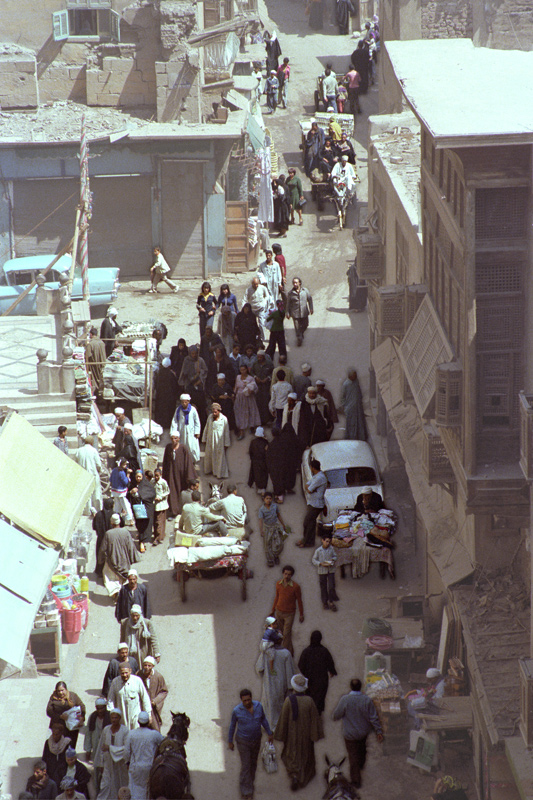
<point>324,559</point>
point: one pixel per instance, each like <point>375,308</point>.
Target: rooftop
<point>60,122</point>
<point>461,92</point>
<point>495,617</point>
<point>396,140</point>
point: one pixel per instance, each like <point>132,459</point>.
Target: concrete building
<point>152,183</point>
<point>448,256</point>
<point>150,78</point>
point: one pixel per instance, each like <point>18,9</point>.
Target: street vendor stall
<point>129,371</point>
<point>362,539</point>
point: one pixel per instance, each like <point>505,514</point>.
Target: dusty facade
<point>126,64</point>
<point>451,355</point>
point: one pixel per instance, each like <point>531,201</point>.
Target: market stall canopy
<point>42,490</point>
<point>25,570</point>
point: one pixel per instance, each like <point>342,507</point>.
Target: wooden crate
<point>236,236</point>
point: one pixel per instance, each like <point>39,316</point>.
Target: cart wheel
<point>317,100</point>
<point>183,590</point>
<point>243,585</point>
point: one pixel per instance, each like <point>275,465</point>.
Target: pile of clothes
<point>374,527</point>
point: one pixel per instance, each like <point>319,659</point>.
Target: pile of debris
<point>61,122</point>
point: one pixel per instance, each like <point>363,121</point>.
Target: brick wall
<point>18,81</point>
<point>446,19</point>
<point>114,78</point>
<point>509,24</point>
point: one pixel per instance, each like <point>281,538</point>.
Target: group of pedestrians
<point>293,701</point>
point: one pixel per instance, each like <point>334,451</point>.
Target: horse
<point>338,785</point>
<point>169,776</point>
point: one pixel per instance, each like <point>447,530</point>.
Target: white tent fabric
<point>265,212</point>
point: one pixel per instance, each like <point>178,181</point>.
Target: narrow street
<point>209,645</point>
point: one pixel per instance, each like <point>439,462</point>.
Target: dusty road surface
<point>209,644</point>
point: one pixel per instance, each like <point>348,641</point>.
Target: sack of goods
<point>268,756</point>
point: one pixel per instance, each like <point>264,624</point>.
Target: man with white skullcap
<point>132,593</point>
<point>128,694</point>
<point>95,725</point>
<point>68,790</point>
<point>130,448</point>
<point>156,688</point>
<point>436,683</point>
<point>299,727</point>
<point>117,553</point>
<point>113,668</point>
<point>141,747</point>
<point>343,172</point>
<point>186,422</point>
<point>115,774</point>
<point>118,436</point>
<point>291,412</point>
<point>109,329</point>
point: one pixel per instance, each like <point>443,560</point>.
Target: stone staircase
<point>45,411</point>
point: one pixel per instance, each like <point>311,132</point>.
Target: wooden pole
<point>28,289</point>
<point>146,373</point>
<point>74,247</point>
<point>150,405</point>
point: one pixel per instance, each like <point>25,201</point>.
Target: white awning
<point>42,490</point>
<point>25,570</point>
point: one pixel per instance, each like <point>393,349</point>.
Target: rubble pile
<point>61,122</point>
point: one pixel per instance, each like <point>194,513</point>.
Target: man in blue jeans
<point>359,718</point>
<point>248,718</point>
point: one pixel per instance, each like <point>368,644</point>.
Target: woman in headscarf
<point>166,393</point>
<point>228,310</point>
<point>296,197</point>
<point>141,495</point>
<point>55,748</point>
<point>345,148</point>
<point>275,458</point>
<point>178,354</point>
<point>273,51</point>
<point>316,663</point>
<point>313,424</point>
<point>245,329</point>
<point>327,157</point>
<point>281,206</point>
<point>258,464</point>
<point>288,441</point>
<point>246,411</point>
<point>60,703</point>
<point>206,305</point>
<point>192,378</point>
<point>139,634</point>
<point>111,753</point>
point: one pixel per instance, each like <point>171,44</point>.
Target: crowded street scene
<point>250,550</point>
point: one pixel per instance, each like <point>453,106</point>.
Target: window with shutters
<point>402,256</point>
<point>380,206</point>
<point>502,213</point>
<point>92,19</point>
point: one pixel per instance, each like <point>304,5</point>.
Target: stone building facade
<point>450,303</point>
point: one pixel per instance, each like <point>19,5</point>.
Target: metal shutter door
<point>35,200</point>
<point>120,233</point>
<point>182,216</point>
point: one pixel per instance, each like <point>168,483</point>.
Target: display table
<point>401,656</point>
<point>45,647</point>
<point>455,714</point>
<point>345,555</point>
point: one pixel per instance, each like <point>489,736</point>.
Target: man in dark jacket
<point>113,668</point>
<point>130,594</point>
<point>368,500</point>
<point>39,785</point>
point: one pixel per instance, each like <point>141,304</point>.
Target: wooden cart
<point>228,565</point>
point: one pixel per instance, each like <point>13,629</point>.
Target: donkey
<point>169,776</point>
<point>338,785</point>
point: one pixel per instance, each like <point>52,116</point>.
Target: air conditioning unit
<point>390,310</point>
<point>525,669</point>
<point>526,434</point>
<point>370,255</point>
<point>435,458</point>
<point>414,295</point>
<point>448,394</point>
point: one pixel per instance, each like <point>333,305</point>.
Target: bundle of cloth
<point>211,549</point>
